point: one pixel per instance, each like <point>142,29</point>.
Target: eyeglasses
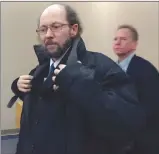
<point>54,28</point>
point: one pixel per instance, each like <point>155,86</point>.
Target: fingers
<point>24,83</point>
<point>57,71</point>
<point>55,87</point>
<point>26,77</point>
<point>24,90</point>
<point>60,67</point>
<point>26,86</point>
<point>53,78</point>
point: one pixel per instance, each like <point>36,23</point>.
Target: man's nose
<point>49,33</point>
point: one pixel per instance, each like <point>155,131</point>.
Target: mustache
<point>50,42</point>
<point>60,50</point>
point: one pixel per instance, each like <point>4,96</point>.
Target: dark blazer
<point>94,111</point>
<point>146,78</point>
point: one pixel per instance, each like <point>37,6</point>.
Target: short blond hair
<point>135,35</point>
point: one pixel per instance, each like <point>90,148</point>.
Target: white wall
<point>100,19</point>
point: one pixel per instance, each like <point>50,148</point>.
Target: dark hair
<point>72,18</point>
<point>135,35</point>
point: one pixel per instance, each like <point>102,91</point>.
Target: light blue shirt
<point>125,63</point>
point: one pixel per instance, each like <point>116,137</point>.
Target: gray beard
<point>60,50</point>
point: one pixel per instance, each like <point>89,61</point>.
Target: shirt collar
<point>125,63</point>
<point>58,60</point>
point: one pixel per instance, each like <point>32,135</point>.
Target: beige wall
<point>18,24</point>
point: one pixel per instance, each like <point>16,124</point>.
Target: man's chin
<point>54,53</point>
<point>118,52</point>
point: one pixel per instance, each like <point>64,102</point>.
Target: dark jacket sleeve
<point>112,109</point>
<point>148,88</point>
<point>14,87</point>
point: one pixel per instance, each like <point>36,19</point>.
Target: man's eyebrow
<point>56,22</point>
<point>42,26</point>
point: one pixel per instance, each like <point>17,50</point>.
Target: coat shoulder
<point>143,65</point>
<point>104,63</point>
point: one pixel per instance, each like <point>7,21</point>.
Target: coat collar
<point>44,58</point>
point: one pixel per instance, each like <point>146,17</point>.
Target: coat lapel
<point>132,65</point>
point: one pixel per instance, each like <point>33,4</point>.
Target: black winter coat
<point>94,111</point>
<point>146,79</point>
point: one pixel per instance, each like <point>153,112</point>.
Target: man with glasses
<point>75,101</point>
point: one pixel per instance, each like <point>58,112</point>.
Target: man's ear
<point>135,45</point>
<point>74,30</point>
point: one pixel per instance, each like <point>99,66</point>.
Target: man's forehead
<point>123,31</point>
<point>54,13</point>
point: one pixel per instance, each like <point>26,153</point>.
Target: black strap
<point>12,101</point>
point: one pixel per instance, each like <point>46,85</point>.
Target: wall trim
<point>9,131</point>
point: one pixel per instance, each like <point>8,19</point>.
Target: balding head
<point>53,8</point>
<point>69,13</point>
<point>56,13</point>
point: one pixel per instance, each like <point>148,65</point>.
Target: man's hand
<point>56,72</point>
<point>24,83</point>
